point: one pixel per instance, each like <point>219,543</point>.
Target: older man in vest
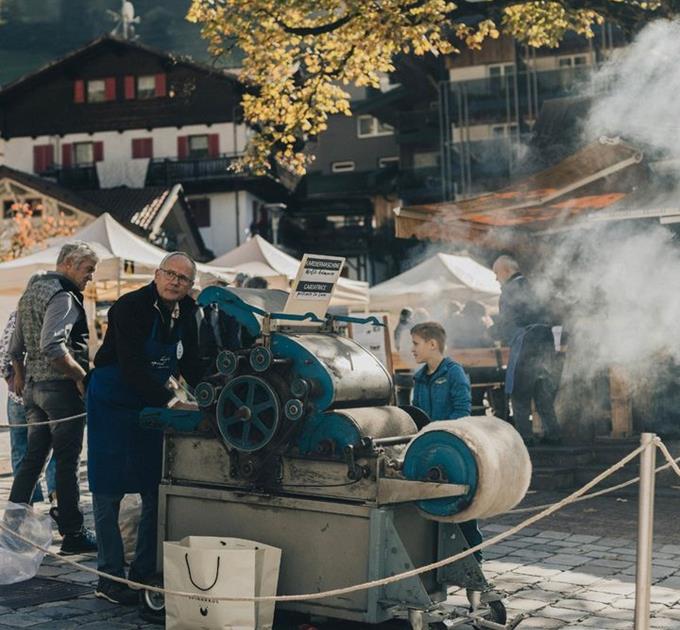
<point>49,352</point>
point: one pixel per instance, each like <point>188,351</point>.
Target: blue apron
<point>123,457</point>
<point>516,345</point>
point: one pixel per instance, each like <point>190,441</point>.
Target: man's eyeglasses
<point>178,277</point>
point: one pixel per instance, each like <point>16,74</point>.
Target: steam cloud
<point>620,281</point>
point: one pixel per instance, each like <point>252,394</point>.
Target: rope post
<point>645,531</point>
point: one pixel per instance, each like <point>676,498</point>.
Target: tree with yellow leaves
<point>25,232</point>
<point>300,53</point>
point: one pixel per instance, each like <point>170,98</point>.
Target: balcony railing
<point>170,171</point>
<point>81,177</point>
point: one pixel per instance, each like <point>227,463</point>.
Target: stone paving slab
<point>558,579</point>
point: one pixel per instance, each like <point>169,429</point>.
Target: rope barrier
<point>599,493</point>
<point>55,421</point>
<point>364,585</point>
<point>671,462</point>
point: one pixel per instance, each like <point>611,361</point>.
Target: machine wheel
<point>248,413</point>
<point>152,604</point>
<point>497,613</point>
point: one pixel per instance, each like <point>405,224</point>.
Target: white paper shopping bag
<point>214,567</point>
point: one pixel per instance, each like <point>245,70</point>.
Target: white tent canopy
<point>434,282</point>
<point>115,246</point>
<point>258,257</point>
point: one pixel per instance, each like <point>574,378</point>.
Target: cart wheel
<point>496,613</point>
<point>152,604</point>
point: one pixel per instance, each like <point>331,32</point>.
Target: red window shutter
<point>161,87</point>
<point>38,159</point>
<point>79,91</point>
<point>214,145</point>
<point>182,147</point>
<point>43,157</point>
<point>142,148</point>
<point>110,88</point>
<point>129,87</point>
<point>98,151</point>
<point>49,156</point>
<point>66,155</point>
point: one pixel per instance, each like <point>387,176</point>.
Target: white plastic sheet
<point>21,560</point>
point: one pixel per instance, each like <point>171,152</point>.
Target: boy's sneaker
<point>116,593</point>
<point>82,542</point>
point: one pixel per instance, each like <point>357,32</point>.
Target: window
<point>83,153</point>
<point>570,62</point>
<point>386,162</point>
<point>370,126</point>
<point>503,131</point>
<point>198,147</point>
<point>507,69</point>
<point>9,206</point>
<point>426,160</point>
<point>342,167</point>
<point>146,86</point>
<point>96,91</point>
<point>142,148</point>
<point>499,75</point>
<point>200,208</point>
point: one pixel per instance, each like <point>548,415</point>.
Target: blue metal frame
<point>245,312</point>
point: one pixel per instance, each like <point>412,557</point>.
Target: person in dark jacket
<point>151,337</point>
<point>50,358</point>
<point>442,390</point>
<point>523,325</point>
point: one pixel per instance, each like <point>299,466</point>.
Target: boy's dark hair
<point>431,330</point>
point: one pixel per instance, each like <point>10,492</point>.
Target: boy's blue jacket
<point>445,394</point>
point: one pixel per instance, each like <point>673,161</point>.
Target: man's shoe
<point>82,542</point>
<point>116,593</point>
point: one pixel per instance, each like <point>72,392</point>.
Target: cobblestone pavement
<point>561,579</point>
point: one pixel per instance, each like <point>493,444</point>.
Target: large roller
<point>331,432</point>
<point>483,452</point>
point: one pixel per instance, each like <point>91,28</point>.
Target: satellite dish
<point>125,20</point>
<point>128,11</point>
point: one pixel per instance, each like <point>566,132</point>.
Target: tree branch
<point>302,31</point>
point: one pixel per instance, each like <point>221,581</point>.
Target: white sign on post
<point>375,338</point>
<point>314,285</point>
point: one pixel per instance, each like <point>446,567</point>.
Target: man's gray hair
<point>508,262</point>
<point>77,251</point>
<point>172,255</point>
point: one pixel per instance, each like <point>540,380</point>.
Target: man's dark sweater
<point>131,321</point>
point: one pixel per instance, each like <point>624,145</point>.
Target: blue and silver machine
<point>299,445</point>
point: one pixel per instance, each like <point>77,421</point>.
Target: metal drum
<point>341,373</point>
<point>329,433</point>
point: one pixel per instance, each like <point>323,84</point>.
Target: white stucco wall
<point>18,152</point>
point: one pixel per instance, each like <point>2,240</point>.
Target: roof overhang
<point>543,202</point>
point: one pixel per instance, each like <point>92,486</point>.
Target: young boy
<point>442,390</point>
<point>441,387</point>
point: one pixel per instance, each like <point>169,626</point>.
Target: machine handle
<point>356,320</point>
<point>191,579</point>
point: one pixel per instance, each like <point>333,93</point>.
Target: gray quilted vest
<point>32,307</point>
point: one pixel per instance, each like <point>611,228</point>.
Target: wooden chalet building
<point>118,114</point>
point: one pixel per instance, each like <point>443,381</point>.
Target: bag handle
<point>217,574</point>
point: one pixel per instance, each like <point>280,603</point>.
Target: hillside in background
<point>35,32</point>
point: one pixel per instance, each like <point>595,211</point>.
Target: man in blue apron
<point>523,325</point>
<point>151,336</point>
